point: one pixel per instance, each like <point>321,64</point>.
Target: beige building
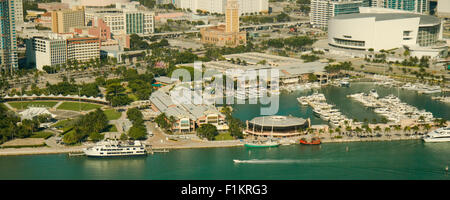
<point>64,20</point>
<point>229,34</point>
<point>83,49</point>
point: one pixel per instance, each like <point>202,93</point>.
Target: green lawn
<point>112,114</point>
<point>42,134</point>
<point>75,106</point>
<point>224,136</point>
<point>25,104</point>
<point>111,128</point>
<point>3,105</point>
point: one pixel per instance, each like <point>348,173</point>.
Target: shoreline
<point>50,150</point>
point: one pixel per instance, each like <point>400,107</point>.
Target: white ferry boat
<point>113,148</point>
<point>438,135</point>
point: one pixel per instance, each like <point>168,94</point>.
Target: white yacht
<point>112,148</point>
<point>438,135</point>
<point>374,93</point>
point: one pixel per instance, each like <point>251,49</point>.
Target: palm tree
<point>377,128</point>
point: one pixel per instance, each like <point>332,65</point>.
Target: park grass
<point>224,136</point>
<point>75,106</point>
<point>63,123</point>
<point>42,134</point>
<point>111,128</point>
<point>26,104</point>
<point>3,106</point>
<point>112,114</point>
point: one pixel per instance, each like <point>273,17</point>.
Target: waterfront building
<point>386,31</point>
<point>323,10</point>
<point>246,7</point>
<point>277,126</point>
<point>188,116</point>
<point>64,20</point>
<point>8,38</point>
<point>228,34</point>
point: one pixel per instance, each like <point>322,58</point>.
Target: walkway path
<point>9,106</point>
<point>57,105</point>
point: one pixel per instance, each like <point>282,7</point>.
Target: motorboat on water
<point>438,135</point>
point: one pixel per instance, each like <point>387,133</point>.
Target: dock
<point>72,154</point>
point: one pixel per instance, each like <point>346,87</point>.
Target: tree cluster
<point>90,125</point>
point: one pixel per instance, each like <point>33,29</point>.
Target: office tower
<point>8,41</point>
<point>323,10</point>
<point>64,20</point>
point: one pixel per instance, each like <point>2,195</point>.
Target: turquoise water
<point>352,109</point>
<point>365,160</point>
<point>369,160</point>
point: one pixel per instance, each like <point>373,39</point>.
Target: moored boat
<point>258,143</point>
<point>116,148</point>
<point>314,141</point>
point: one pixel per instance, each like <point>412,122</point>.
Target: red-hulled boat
<point>314,140</point>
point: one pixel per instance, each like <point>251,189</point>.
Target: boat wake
<point>257,161</point>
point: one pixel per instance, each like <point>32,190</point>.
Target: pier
<point>392,108</point>
<point>324,110</point>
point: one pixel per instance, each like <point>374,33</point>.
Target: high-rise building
<point>443,8</point>
<point>8,41</point>
<point>232,17</point>
<point>228,34</point>
<point>219,6</point>
<point>323,10</point>
<point>46,51</point>
<point>123,21</point>
<point>64,20</point>
<point>59,49</point>
<point>417,6</point>
<point>18,6</point>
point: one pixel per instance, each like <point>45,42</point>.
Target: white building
<point>323,10</point>
<point>443,8</point>
<point>58,49</point>
<point>46,51</point>
<point>73,3</point>
<point>386,31</point>
<point>124,21</point>
<point>219,6</point>
<point>18,12</point>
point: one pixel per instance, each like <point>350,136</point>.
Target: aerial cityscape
<point>225,89</point>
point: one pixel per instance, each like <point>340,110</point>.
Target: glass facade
<point>8,41</point>
<point>354,43</point>
<point>428,36</point>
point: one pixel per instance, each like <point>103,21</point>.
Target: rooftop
<point>424,19</point>
<point>278,121</point>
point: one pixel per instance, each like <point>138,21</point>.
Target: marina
<point>325,111</point>
<point>392,108</point>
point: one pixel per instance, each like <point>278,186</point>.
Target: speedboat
<point>438,135</point>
